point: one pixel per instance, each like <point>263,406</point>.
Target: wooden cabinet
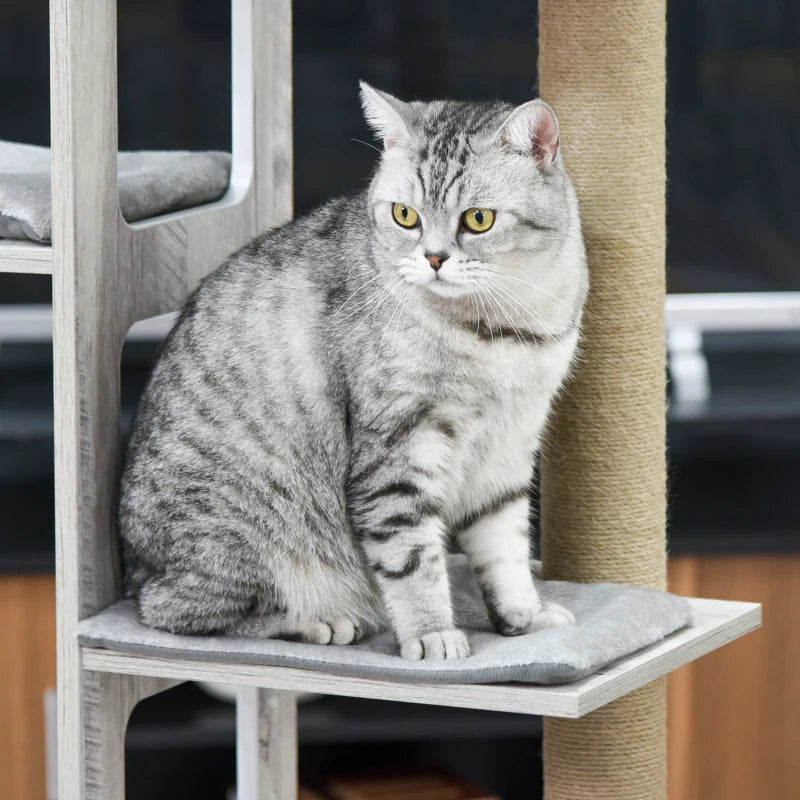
<point>27,669</point>
<point>734,715</point>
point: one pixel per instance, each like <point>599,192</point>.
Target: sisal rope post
<point>602,67</point>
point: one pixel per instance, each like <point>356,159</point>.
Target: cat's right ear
<point>386,115</point>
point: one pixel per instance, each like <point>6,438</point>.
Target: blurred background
<point>733,335</point>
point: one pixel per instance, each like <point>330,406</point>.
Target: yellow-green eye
<point>478,220</point>
<point>405,215</point>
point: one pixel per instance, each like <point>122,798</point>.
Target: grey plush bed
<point>613,620</point>
<point>150,183</point>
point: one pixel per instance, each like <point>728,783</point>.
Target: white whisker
<point>387,294</point>
<point>483,305</point>
<point>523,308</point>
<point>528,283</point>
<point>386,288</point>
<point>392,316</point>
<point>493,305</point>
<point>505,313</point>
<point>529,310</point>
<point>406,296</point>
<point>356,291</point>
<point>531,313</point>
<point>361,141</point>
<point>477,313</point>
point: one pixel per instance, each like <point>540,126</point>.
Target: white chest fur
<point>496,453</point>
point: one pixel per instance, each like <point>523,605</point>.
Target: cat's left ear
<point>532,130</point>
<point>386,115</point>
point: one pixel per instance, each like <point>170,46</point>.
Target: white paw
<point>340,631</point>
<point>315,633</point>
<point>554,615</point>
<point>441,644</point>
<point>516,621</point>
<point>345,631</point>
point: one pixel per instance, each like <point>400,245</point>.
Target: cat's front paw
<point>441,644</point>
<point>527,619</point>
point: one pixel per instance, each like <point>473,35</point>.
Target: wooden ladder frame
<point>106,276</point>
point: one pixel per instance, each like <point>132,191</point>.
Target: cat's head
<point>471,200</point>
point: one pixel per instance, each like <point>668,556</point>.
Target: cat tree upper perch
<point>602,67</point>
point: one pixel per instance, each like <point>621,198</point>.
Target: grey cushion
<point>150,183</point>
<point>612,621</point>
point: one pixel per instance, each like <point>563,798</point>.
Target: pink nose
<point>437,259</point>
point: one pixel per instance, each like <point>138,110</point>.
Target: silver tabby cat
<point>354,393</point>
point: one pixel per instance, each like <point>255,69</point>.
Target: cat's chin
<point>447,289</point>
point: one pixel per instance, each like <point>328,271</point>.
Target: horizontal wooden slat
<point>26,257</point>
<point>716,622</point>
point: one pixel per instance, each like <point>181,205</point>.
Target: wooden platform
<point>717,622</point>
<point>26,257</point>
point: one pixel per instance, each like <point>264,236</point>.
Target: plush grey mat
<point>150,183</point>
<point>612,621</point>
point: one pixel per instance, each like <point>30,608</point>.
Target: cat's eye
<point>478,220</point>
<point>405,215</point>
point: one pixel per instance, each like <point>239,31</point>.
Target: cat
<point>351,393</point>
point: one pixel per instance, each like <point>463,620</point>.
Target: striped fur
<point>329,411</point>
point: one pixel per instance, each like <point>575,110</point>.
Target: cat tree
<point>602,66</point>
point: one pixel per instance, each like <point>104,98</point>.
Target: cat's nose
<point>437,259</point>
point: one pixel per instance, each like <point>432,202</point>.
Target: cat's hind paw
<point>345,631</point>
<point>440,644</point>
<point>339,631</point>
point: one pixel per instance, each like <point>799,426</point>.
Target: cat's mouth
<point>443,287</point>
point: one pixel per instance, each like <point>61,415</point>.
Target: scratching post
<point>602,66</point>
